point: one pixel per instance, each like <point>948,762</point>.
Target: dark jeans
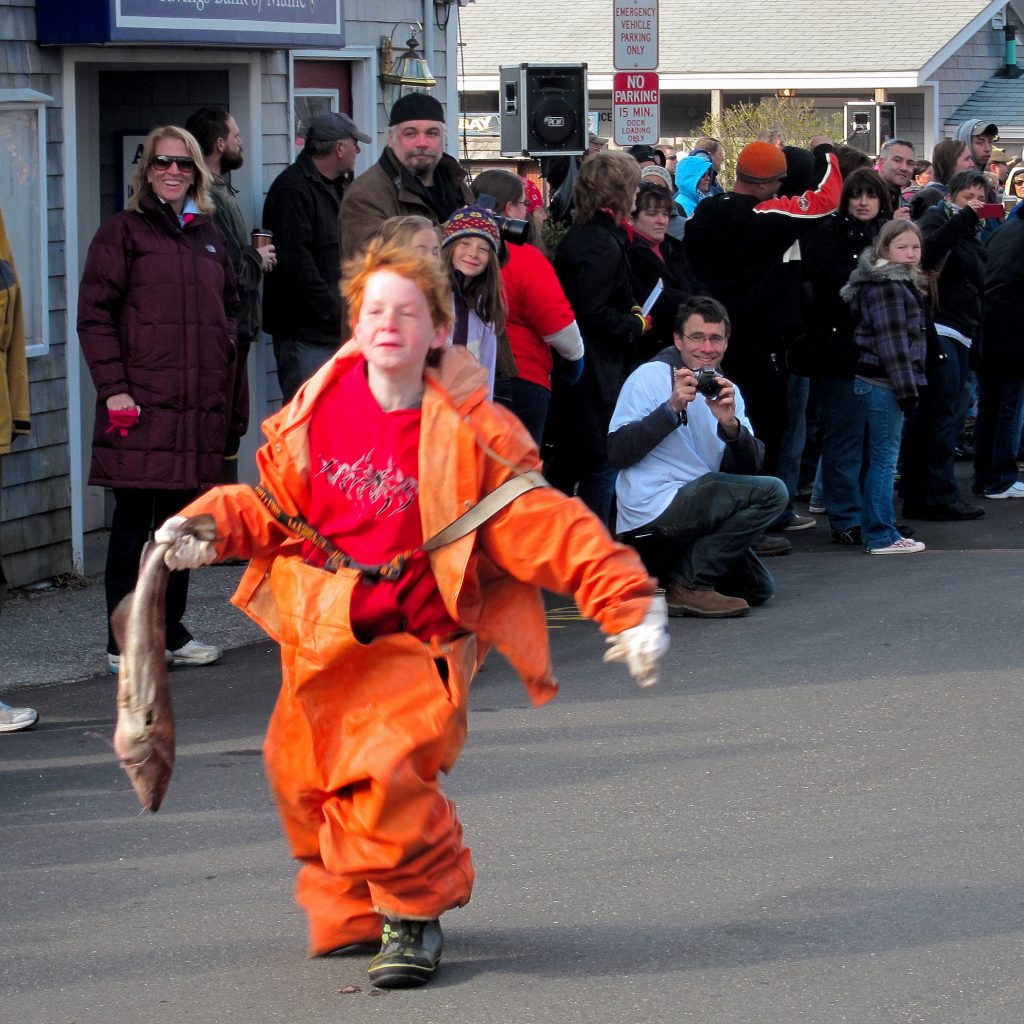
<point>997,431</point>
<point>297,361</point>
<point>588,476</point>
<point>136,513</point>
<point>528,401</point>
<point>928,473</point>
<point>842,451</point>
<point>710,524</point>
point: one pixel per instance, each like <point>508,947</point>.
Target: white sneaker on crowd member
<point>114,661</point>
<point>1013,491</point>
<point>15,719</point>
<point>195,653</point>
<point>902,546</point>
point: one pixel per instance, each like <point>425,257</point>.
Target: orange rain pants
<point>354,748</point>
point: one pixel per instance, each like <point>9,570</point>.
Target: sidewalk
<point>60,635</point>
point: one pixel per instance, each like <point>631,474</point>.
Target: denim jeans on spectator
<point>529,401</point>
<point>928,476</point>
<point>713,520</point>
<point>885,426</point>
<point>842,451</point>
<point>297,361</point>
<point>997,431</point>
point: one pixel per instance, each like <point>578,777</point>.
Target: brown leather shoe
<point>703,604</point>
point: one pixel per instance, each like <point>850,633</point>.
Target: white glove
<point>640,647</point>
<point>191,542</point>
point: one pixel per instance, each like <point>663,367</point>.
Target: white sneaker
<point>14,719</point>
<point>816,508</point>
<point>902,546</point>
<point>195,653</point>
<point>1013,491</point>
<point>114,661</point>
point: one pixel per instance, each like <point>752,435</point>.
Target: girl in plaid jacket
<point>885,294</point>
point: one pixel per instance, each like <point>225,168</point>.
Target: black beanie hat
<point>416,106</point>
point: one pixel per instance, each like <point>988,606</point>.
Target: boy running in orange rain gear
<point>391,442</point>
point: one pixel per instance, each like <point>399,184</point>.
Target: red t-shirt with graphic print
<point>365,498</point>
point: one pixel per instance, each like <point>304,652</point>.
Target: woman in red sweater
<point>539,315</point>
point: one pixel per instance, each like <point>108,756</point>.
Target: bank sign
<point>277,23</point>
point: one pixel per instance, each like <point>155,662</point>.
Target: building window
<point>309,103</point>
<point>24,204</point>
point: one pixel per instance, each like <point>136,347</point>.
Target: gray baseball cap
<point>332,126</point>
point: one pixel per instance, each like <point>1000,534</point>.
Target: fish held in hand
<point>144,735</point>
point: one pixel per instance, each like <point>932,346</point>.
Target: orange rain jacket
<point>361,731</point>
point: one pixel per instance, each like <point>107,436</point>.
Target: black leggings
<point>137,512</point>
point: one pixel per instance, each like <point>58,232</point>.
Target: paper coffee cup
<point>261,238</point>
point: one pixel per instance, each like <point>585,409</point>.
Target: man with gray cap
<point>301,305</point>
<point>414,175</point>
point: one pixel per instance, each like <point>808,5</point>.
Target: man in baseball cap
<point>301,306</point>
<point>980,135</point>
<point>332,127</point>
<point>414,175</point>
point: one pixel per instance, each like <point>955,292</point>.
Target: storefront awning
<point>273,23</point>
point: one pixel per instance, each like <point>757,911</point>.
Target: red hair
<point>379,255</point>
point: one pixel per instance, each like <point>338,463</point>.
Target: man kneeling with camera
<point>688,499</point>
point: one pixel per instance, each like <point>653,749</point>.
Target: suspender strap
<point>488,506</point>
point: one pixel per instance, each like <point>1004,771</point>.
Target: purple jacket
<point>156,320</point>
<point>891,326</point>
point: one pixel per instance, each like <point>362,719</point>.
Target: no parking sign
<point>636,98</point>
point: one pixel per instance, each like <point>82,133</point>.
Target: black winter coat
<point>962,280</point>
<point>680,283</point>
<point>829,255</point>
<point>156,320</point>
<point>300,298</point>
<point>1002,345</point>
<point>592,265</point>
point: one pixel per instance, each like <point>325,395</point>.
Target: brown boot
<point>704,604</point>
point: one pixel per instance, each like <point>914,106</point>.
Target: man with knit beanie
<point>414,175</point>
<point>741,244</point>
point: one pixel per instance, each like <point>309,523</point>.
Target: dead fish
<point>144,735</point>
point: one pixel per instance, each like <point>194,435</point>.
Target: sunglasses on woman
<point>185,163</point>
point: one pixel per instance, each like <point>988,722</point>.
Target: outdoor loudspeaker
<point>869,125</point>
<point>543,109</point>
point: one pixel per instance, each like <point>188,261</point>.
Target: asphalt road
<point>816,817</point>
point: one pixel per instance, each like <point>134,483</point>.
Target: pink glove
<point>122,420</point>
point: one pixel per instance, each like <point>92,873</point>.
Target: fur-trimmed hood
<point>870,270</point>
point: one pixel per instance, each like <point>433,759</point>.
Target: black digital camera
<point>707,382</point>
<point>515,231</point>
